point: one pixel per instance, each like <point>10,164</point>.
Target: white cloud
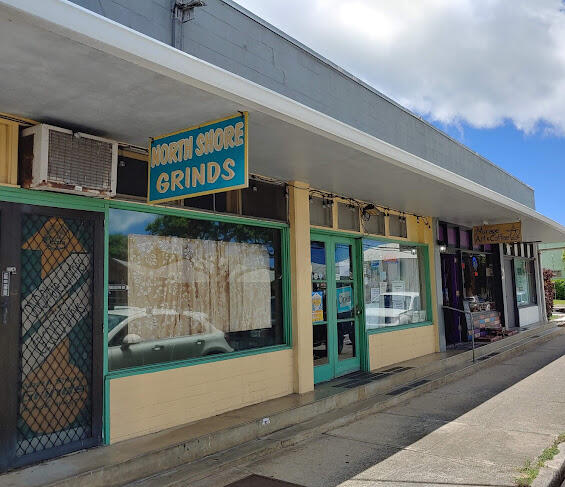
<point>477,61</point>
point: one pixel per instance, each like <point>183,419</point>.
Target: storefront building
<point>123,316</point>
<point>488,291</point>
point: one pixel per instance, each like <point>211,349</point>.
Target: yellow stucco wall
<point>301,270</point>
<point>8,152</point>
<point>146,403</point>
<point>396,346</point>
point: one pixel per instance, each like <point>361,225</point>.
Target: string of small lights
<point>367,209</point>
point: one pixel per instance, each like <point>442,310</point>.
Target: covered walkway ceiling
<point>103,78</point>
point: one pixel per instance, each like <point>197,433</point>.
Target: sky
<point>490,73</point>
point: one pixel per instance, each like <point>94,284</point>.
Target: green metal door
<point>335,306</point>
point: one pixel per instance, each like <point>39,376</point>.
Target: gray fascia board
<point>362,83</point>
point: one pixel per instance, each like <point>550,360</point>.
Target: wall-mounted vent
<point>57,159</point>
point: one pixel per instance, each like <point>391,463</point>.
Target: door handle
<point>156,348</point>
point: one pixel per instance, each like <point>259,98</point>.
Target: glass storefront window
<point>321,212</point>
<point>183,288</point>
<point>524,275</point>
<point>478,277</point>
<point>397,226</point>
<point>394,289</point>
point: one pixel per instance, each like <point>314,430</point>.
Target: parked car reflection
<point>128,347</point>
<point>394,308</point>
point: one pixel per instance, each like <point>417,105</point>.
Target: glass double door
<point>335,307</point>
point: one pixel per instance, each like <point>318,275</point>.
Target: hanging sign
<point>208,158</point>
<point>494,234</point>
<point>317,306</point>
<point>344,299</point>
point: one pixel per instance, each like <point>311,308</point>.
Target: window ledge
<point>523,306</point>
<point>148,369</point>
<point>407,326</point>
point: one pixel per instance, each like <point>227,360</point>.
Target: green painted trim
<point>337,233</point>
<point>322,373</point>
<point>363,336</point>
<point>50,198</point>
<point>197,215</point>
<point>187,213</point>
<point>106,410</point>
<point>387,329</point>
<point>335,367</point>
<point>428,283</point>
<point>352,364</point>
<point>147,369</point>
<point>106,425</point>
<point>286,288</point>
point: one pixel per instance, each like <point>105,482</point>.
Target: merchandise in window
<point>394,291</point>
<point>524,275</point>
<point>182,288</point>
<point>478,277</point>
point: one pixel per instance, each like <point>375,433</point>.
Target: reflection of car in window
<point>127,347</point>
<point>392,308</point>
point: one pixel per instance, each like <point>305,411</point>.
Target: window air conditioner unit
<point>56,159</point>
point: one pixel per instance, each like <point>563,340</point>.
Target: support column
<point>540,284</point>
<point>503,278</point>
<point>436,287</point>
<point>300,272</point>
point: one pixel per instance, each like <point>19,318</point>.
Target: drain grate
<point>403,389</point>
<point>394,370</point>
<point>355,383</point>
<point>260,481</point>
<point>490,355</point>
<point>362,378</point>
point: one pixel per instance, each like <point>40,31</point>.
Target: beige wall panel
<point>146,403</point>
<point>301,284</point>
<point>8,152</point>
<point>396,346</point>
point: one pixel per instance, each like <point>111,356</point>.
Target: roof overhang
<point>68,66</point>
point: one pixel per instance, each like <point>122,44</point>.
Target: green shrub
<point>559,288</point>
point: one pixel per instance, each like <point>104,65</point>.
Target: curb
<point>553,473</point>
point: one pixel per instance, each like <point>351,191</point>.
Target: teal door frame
<point>334,366</point>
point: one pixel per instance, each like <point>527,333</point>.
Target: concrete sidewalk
<point>477,431</point>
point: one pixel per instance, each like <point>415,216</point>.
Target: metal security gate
<point>51,296</point>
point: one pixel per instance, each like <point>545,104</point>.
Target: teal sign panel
<point>208,158</point>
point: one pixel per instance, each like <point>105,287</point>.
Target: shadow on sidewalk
<point>477,431</point>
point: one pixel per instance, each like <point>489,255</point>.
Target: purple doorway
<point>451,286</point>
